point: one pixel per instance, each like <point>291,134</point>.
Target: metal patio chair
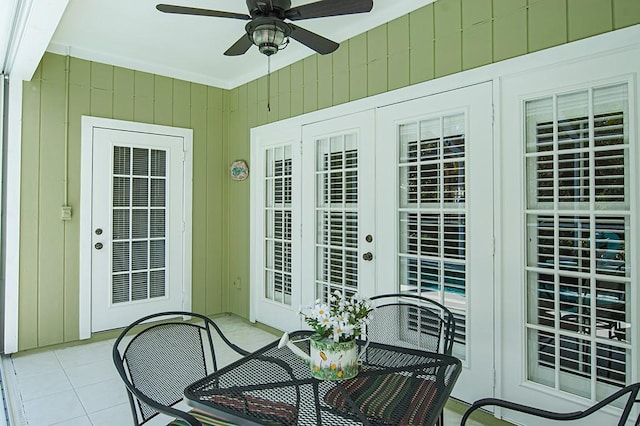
<point>157,360</point>
<point>412,321</point>
<point>632,398</point>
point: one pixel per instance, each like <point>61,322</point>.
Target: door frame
<point>86,196</point>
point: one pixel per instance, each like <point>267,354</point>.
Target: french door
<point>338,207</point>
<point>313,232</point>
<point>435,216</point>
<point>395,199</point>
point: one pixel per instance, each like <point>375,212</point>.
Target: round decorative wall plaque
<point>239,170</point>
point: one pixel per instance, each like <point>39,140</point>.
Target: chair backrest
<point>158,360</point>
<point>411,321</point>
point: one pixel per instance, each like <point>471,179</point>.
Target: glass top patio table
<point>395,386</point>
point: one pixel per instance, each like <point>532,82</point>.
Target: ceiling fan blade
<point>240,47</point>
<point>182,10</point>
<point>312,40</point>
<point>323,8</point>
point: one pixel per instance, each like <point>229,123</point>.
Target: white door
<point>275,228</point>
<point>313,218</point>
<point>338,207</point>
<point>435,216</point>
<point>137,262</point>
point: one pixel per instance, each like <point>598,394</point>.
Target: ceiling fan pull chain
<point>269,83</point>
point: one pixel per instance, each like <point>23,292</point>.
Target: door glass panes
<point>277,272</point>
<point>336,215</point>
<point>578,231</point>
<point>138,224</point>
<point>432,214</point>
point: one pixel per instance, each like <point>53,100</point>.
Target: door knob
<point>98,231</point>
<point>98,246</point>
<point>367,256</point>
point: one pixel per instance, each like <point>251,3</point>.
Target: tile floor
<point>79,386</point>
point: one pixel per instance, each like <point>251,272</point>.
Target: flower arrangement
<point>342,319</point>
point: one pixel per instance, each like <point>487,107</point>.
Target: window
<point>432,227</point>
<point>337,215</point>
<point>578,228</point>
<point>139,224</point>
<point>278,211</point>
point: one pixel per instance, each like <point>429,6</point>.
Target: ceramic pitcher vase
<point>333,360</point>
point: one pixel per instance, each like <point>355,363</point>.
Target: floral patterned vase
<point>333,360</point>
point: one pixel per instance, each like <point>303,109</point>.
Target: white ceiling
<point>133,34</point>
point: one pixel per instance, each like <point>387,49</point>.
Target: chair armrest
<point>521,408</point>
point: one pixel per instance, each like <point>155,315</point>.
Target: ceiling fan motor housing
<point>275,8</point>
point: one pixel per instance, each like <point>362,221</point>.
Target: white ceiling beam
<point>34,22</point>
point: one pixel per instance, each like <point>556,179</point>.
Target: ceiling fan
<point>267,28</point>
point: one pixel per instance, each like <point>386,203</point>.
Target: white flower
<point>341,319</point>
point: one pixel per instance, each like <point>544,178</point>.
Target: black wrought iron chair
<point>631,392</point>
<point>410,320</point>
<point>413,321</point>
<point>158,360</point>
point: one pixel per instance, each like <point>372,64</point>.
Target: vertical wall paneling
<point>477,36</point>
<point>79,104</point>
<point>310,83</point>
<point>340,72</point>
<point>273,93</point>
<point>101,90</point>
<point>358,67</point>
<point>143,97</point>
<point>509,28</point>
<point>398,52</point>
<point>297,88</point>
<point>625,13</point>
<point>123,102</point>
<point>163,99</point>
<point>421,45</point>
<point>377,54</point>
<point>215,176</point>
<point>263,113</point>
<point>252,100</point>
<point>443,38</point>
<point>284,93</point>
<point>448,37</point>
<point>588,17</point>
<point>325,81</point>
<point>547,24</point>
<point>28,305</point>
<point>51,228</point>
<point>198,117</point>
<point>181,104</point>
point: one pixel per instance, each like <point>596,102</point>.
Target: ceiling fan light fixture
<point>268,38</point>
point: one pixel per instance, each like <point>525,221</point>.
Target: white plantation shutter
<point>578,227</point>
<point>138,224</point>
<point>432,214</point>
<point>337,215</point>
<point>278,224</point>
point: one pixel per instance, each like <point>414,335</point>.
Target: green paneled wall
<point>49,251</point>
<point>442,38</point>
